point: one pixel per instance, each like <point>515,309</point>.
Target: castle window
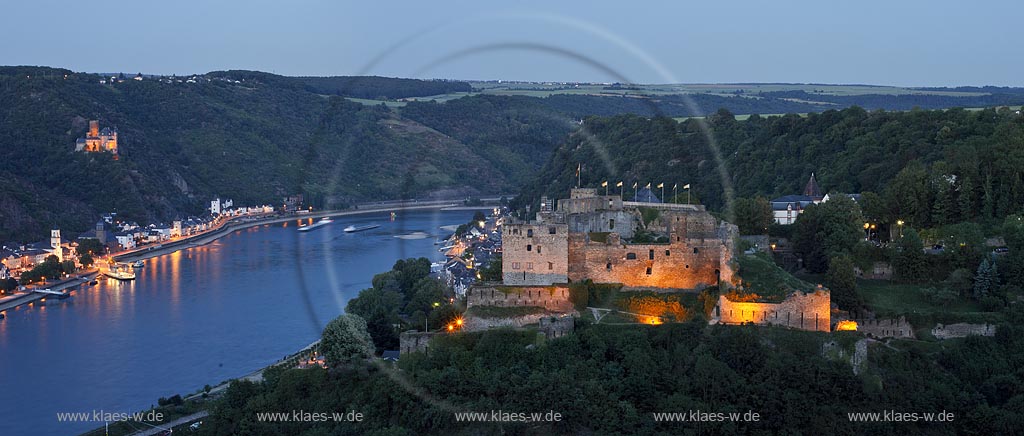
<point>538,249</point>
<point>667,253</point>
<point>529,247</point>
<point>529,233</point>
<point>695,250</point>
<point>529,265</point>
<point>677,239</point>
<point>648,270</point>
<point>608,266</point>
<point>551,266</point>
<point>515,265</point>
<point>651,255</point>
<point>631,256</point>
<point>552,230</point>
<point>687,266</point>
<point>611,224</point>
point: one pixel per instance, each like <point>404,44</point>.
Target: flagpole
<point>662,191</point>
<point>675,192</point>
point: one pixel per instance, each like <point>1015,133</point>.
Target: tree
<point>86,260</point>
<point>827,230</point>
<point>908,260</point>
<point>753,215</point>
<point>841,280</point>
<point>983,283</point>
<point>90,246</point>
<point>345,340</point>
<point>966,200</point>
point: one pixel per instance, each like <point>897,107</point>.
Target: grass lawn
<point>895,298</point>
<point>763,277</point>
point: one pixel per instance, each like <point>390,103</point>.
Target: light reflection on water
<point>193,317</point>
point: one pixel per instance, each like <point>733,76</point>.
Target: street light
<point>900,224</point>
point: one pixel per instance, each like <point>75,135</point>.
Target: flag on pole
<point>675,186</point>
<point>618,185</point>
<point>579,166</point>
<point>635,184</point>
<point>604,184</point>
<point>648,186</point>
<point>660,185</point>
<point>686,186</point>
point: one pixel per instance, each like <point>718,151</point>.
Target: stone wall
<point>618,221</point>
<point>878,271</point>
<point>683,264</point>
<point>552,298</point>
<point>556,327</point>
<point>413,341</point>
<point>960,330</point>
<point>885,328</point>
<point>811,311</point>
<point>535,254</point>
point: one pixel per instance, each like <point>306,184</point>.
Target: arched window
<point>529,247</point>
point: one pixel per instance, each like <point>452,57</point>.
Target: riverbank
<point>30,296</point>
<point>227,229</point>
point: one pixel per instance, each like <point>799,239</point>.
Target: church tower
<point>55,244</point>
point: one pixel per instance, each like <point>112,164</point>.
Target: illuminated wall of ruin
<point>811,311</point>
<point>553,298</point>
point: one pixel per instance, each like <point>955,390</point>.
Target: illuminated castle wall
<point>810,311</point>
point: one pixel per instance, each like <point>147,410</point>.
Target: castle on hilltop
<point>607,240</point>
<point>97,140</point>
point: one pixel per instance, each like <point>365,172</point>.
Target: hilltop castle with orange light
<point>97,140</point>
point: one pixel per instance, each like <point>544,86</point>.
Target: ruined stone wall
<point>589,204</point>
<point>413,341</point>
<point>618,221</point>
<point>556,327</point>
<point>885,328</point>
<point>960,330</point>
<point>552,298</point>
<point>684,264</point>
<point>535,254</point>
<point>695,256</point>
<point>811,311</point>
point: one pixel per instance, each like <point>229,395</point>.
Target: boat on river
<point>323,222</point>
<point>354,228</point>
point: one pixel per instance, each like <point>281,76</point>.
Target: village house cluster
<point>119,235</point>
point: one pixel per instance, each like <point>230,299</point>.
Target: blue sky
<point>911,43</point>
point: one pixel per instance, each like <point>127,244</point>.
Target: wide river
<point>194,317</point>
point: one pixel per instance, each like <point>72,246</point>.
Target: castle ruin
<point>591,236</point>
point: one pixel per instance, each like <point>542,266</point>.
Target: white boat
<point>354,228</point>
<point>120,272</point>
<point>323,222</point>
<point>138,264</point>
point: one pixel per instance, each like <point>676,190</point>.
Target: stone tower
<point>55,244</point>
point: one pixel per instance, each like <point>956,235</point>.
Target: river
<point>194,317</point>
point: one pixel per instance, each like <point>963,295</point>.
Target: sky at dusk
<point>908,43</point>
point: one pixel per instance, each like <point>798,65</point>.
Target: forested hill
<point>931,167</point>
<point>252,138</point>
<point>256,137</point>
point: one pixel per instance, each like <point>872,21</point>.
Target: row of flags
<point>636,184</point>
<point>604,184</point>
